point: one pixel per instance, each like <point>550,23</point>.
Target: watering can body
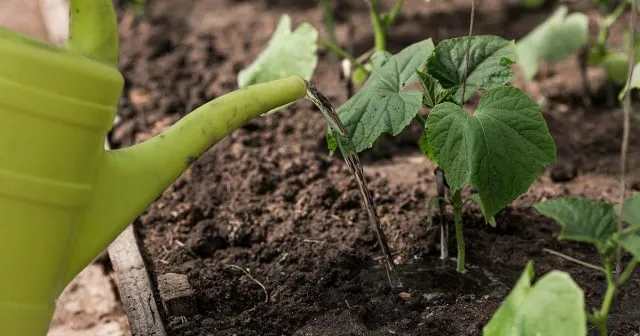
<point>56,108</point>
<point>63,198</point>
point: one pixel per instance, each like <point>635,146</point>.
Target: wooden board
<point>135,287</point>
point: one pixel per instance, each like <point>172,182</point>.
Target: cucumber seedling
<point>499,149</point>
<point>555,305</point>
<point>563,35</point>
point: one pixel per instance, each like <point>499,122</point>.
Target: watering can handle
<point>93,30</point>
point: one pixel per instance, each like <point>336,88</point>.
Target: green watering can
<point>63,198</point>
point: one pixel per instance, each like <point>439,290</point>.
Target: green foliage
<point>139,7</point>
<point>554,306</point>
<point>554,40</point>
<point>500,149</point>
<point>533,4</point>
<point>488,64</point>
<point>432,92</point>
<point>582,220</point>
<point>631,215</point>
<point>634,84</point>
<point>381,107</point>
<point>476,198</point>
<point>631,243</point>
<point>426,148</point>
<point>631,210</point>
<point>288,53</point>
<point>616,66</point>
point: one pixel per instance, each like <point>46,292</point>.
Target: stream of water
<point>353,162</point>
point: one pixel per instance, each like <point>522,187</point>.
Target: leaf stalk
<point>329,21</point>
<point>628,271</point>
<point>380,34</point>
<point>342,53</point>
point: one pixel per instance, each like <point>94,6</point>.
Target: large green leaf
<point>631,210</point>
<point>380,107</point>
<point>500,149</point>
<point>555,39</point>
<point>426,148</point>
<point>288,53</point>
<point>554,306</point>
<point>476,198</point>
<point>581,219</point>
<point>489,64</point>
<point>632,244</point>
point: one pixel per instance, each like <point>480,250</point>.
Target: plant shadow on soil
<point>268,198</point>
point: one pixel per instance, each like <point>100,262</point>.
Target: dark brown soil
<point>269,199</point>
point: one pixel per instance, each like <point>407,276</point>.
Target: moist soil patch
<point>269,198</point>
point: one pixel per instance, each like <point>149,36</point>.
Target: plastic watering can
<point>63,198</point>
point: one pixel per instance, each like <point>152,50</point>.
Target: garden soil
<point>270,199</point>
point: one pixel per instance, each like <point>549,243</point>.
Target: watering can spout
<point>130,179</point>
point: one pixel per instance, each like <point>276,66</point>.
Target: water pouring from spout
<point>353,161</point>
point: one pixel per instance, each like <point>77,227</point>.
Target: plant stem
<point>378,27</point>
<point>626,127</point>
<point>601,317</point>
<point>457,210</point>
<point>329,24</point>
<point>629,231</point>
<point>341,52</point>
<point>393,13</point>
<point>420,120</point>
<point>631,266</point>
<point>444,229</point>
<point>468,53</point>
<point>609,20</point>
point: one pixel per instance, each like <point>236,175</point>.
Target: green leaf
<point>533,4</point>
<point>476,198</point>
<point>331,142</point>
<point>488,64</point>
<point>555,39</point>
<point>288,53</point>
<point>500,149</point>
<point>616,66</point>
<point>632,244</point>
<point>634,84</point>
<point>581,219</point>
<point>380,107</point>
<point>432,92</point>
<point>426,148</point>
<point>631,210</point>
<point>554,306</point>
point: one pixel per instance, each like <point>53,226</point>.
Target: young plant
<point>499,149</point>
<point>359,68</point>
<point>555,305</point>
<point>557,38</point>
<point>563,35</point>
<point>288,53</point>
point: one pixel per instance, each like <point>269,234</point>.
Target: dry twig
<point>264,289</point>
